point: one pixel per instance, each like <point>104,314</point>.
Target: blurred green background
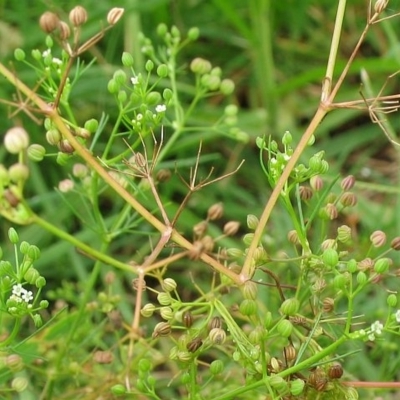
<point>276,53</point>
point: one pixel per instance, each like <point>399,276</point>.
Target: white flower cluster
<point>19,294</point>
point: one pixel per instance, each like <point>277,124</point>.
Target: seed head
<point>378,238</point>
<point>348,182</point>
<point>335,371</point>
<point>328,305</point>
<point>380,5</point>
<point>49,22</point>
<point>16,140</point>
<point>200,229</point>
<point>161,329</point>
<point>114,15</point>
<point>348,199</point>
<point>215,211</point>
<point>305,193</point>
<point>395,243</point>
<point>316,183</point>
<point>65,31</point>
<point>231,228</point>
<point>289,353</point>
<point>78,16</point>
<point>217,335</point>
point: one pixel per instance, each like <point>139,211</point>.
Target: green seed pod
<point>235,253</point>
<point>119,77</point>
<point>248,238</point>
<point>284,327</point>
<point>148,310</point>
<point>153,98</point>
<point>16,140</point>
<point>113,86</point>
<point>216,367</point>
<point>13,236</point>
<point>362,278</point>
<point>53,137</point>
<point>339,282</point>
<point>268,319</point>
<point>19,384</point>
<point>290,307</point>
<point>149,66</point>
<point>211,82</point>
<point>167,313</point>
<point>118,390</point>
<point>168,284</point>
<point>127,59</point>
<point>217,335</point>
<point>193,33</point>
<point>36,152</point>
<point>40,282</point>
<point>391,300</point>
<point>330,258</point>
<point>257,335</point>
<point>382,265</point>
<point>227,87</point>
<point>91,125</point>
<point>19,55</point>
<point>186,378</point>
<point>287,138</point>
<point>167,94</point>
<point>44,304</point>
<point>250,290</point>
<point>344,234</point>
<point>200,66</point>
<point>144,365</point>
<point>162,70</point>
<point>122,96</point>
<point>277,382</point>
<point>162,29</point>
<point>297,387</point>
<point>164,299</point>
<point>252,222</point>
<point>248,307</point>
<point>36,55</point>
<point>37,320</point>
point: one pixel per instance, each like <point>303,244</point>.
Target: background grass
<point>275,51</point>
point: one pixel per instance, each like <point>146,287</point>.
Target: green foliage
<point>166,269</point>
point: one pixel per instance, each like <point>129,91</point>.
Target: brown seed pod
<point>78,16</point>
<point>49,22</point>
<point>194,345</point>
<point>216,322</point>
<point>187,319</point>
<point>335,371</point>
<point>114,15</point>
<point>290,353</point>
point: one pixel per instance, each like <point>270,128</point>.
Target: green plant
<point>261,323</point>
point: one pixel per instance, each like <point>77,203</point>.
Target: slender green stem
<point>98,255</point>
<point>326,88</point>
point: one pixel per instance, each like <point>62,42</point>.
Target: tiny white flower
<point>134,80</point>
<point>15,298</point>
<point>377,327</point>
<point>46,53</point>
<point>371,337</point>
<point>286,157</point>
<point>273,160</point>
<point>18,290</point>
<point>161,108</point>
<point>398,316</point>
<point>27,296</point>
<point>139,117</point>
<point>56,61</point>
